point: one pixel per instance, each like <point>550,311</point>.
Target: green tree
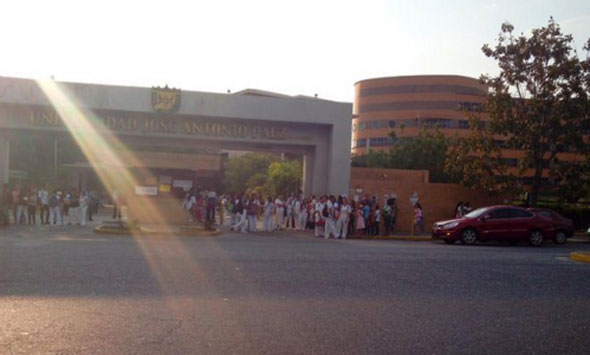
<point>247,171</point>
<point>426,151</point>
<point>264,174</point>
<point>284,177</point>
<point>537,104</point>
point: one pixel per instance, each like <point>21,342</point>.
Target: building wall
<point>319,129</point>
<point>406,104</point>
<point>438,200</point>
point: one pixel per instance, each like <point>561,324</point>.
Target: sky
<point>293,47</point>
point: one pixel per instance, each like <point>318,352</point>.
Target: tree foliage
<point>538,104</point>
<point>426,151</point>
<point>264,174</point>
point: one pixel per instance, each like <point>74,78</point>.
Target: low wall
<point>438,200</point>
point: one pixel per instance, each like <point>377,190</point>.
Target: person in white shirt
<point>269,210</point>
<point>83,209</point>
<point>319,217</point>
<point>43,197</point>
<point>330,227</point>
<point>303,215</point>
<point>343,219</point>
<point>297,213</point>
<point>280,207</point>
<point>289,222</point>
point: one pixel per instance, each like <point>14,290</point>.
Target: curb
<point>580,256</point>
<point>404,239</point>
<point>185,233</point>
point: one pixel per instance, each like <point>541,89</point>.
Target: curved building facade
<point>406,104</point>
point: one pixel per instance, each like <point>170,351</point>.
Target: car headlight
<point>450,225</point>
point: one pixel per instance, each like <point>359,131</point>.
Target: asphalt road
<point>68,291</point>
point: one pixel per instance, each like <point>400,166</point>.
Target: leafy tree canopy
<point>538,104</point>
<point>426,151</point>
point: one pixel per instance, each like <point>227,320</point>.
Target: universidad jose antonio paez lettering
<point>118,123</point>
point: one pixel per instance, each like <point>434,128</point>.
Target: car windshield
<point>476,213</point>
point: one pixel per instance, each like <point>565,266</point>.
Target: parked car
<point>502,223</point>
<point>588,234</point>
<point>563,228</point>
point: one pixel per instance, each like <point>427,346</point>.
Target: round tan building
<point>408,103</point>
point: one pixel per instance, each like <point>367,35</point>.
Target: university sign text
<point>125,124</point>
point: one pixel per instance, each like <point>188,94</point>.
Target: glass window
<point>517,213</point>
<point>391,124</point>
<point>501,213</point>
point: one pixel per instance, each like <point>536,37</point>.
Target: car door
<point>496,224</point>
<point>521,223</point>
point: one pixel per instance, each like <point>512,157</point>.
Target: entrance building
<point>180,121</point>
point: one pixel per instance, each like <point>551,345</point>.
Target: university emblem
<point>165,99</point>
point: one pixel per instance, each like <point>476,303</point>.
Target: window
<point>501,213</point>
<point>464,124</point>
<point>517,213</point>
<point>391,124</point>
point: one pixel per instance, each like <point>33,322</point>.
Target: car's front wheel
<point>468,237</point>
<point>536,238</point>
<point>560,237</point>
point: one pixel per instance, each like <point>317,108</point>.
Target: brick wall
<point>438,200</point>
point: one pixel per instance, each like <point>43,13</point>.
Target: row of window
<point>421,105</point>
<point>421,122</point>
<point>421,89</point>
<point>379,142</point>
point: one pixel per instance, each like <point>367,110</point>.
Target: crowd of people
<point>22,206</point>
<point>327,216</point>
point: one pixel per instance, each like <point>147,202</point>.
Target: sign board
<point>184,184</point>
<point>164,188</point>
<point>146,190</point>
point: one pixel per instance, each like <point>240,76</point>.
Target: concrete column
<point>339,160</point>
<point>307,174</point>
<point>4,160</point>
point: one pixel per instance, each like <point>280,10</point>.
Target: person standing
<point>73,209</point>
<point>15,195</point>
<point>459,210</point>
<point>303,215</point>
<point>43,198</point>
<point>418,218</point>
<point>331,210</point>
<point>377,220</point>
<point>269,210</point>
<point>234,211</point>
<point>83,208</point>
<point>116,204</point>
<point>280,206</point>
<point>319,217</point>
<point>22,207</point>
<point>54,212</point>
<point>32,207</point>
<point>343,219</point>
<point>360,219</point>
<point>253,207</point>
<point>297,213</point>
<point>241,217</point>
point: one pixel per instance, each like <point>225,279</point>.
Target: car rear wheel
<point>560,237</point>
<point>536,238</point>
<point>468,237</point>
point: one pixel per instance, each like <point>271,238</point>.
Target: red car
<point>563,228</point>
<point>502,223</point>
